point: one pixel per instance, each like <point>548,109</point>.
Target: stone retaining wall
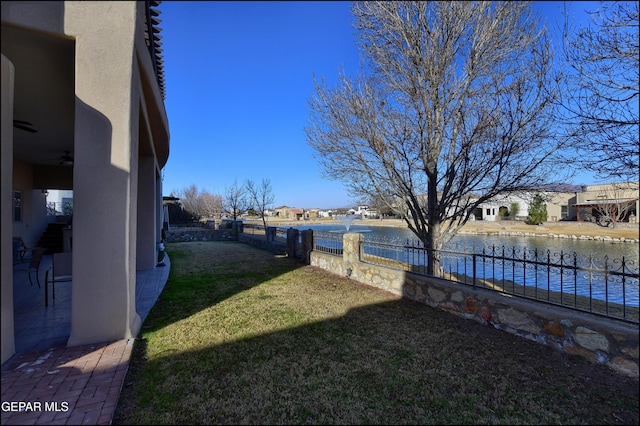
<point>261,242</point>
<point>601,340</point>
<point>552,235</point>
<point>199,234</point>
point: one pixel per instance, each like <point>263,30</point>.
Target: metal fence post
<point>474,270</point>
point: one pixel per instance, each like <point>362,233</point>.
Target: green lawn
<point>243,336</point>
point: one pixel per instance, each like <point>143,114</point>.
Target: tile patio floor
<point>58,384</point>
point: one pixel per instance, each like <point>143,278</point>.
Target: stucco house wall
<point>490,211</point>
<point>83,73</point>
<point>560,205</point>
<point>610,191</point>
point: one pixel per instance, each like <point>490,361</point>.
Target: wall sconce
<point>45,192</point>
<point>349,271</point>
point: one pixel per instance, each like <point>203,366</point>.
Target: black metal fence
<point>599,285</point>
<point>256,229</point>
<point>327,242</point>
<point>596,284</point>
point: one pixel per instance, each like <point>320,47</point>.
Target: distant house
<point>325,213</point>
<point>618,200</point>
<point>558,205</point>
<point>296,214</point>
<point>363,211</point>
<point>501,205</point>
<point>312,213</point>
<point>568,202</point>
<point>292,213</point>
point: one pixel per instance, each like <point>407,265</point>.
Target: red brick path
<point>73,385</point>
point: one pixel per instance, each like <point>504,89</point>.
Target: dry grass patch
<point>240,336</point>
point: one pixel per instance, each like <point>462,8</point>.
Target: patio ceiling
<point>44,94</point>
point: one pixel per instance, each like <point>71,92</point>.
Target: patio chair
<point>20,249</point>
<point>34,264</point>
<point>60,271</point>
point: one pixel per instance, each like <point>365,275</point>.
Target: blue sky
<point>238,76</point>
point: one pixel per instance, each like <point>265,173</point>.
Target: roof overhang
<point>595,203</point>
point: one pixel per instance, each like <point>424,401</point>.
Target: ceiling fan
<point>24,125</point>
<point>66,159</point>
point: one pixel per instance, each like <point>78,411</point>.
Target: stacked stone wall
<point>199,234</point>
<point>505,233</point>
<point>601,340</point>
<point>261,242</point>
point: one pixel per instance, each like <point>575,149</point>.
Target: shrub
<point>515,209</point>
<point>537,211</point>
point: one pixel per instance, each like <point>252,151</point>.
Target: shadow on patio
<point>37,327</point>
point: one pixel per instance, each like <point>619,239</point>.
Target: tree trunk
<point>433,228</point>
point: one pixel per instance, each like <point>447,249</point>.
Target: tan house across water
<point>292,213</point>
<point>571,203</point>
<point>616,201</point>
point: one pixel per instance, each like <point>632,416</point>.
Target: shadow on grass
<point>297,345</point>
<point>204,274</point>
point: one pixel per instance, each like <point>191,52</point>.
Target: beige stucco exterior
<point>560,206</point>
<point>565,205</point>
<point>291,213</point>
<point>614,193</point>
<point>106,107</point>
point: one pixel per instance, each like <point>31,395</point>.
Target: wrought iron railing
<point>594,284</point>
<point>253,229</point>
<point>59,208</point>
<point>327,242</point>
<point>258,229</point>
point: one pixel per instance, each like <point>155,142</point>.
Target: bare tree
<point>382,207</point>
<point>615,202</point>
<point>200,204</point>
<point>235,199</point>
<point>603,102</point>
<point>212,204</point>
<point>190,200</point>
<point>261,197</point>
<point>455,98</point>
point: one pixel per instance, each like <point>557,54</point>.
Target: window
<point>17,205</point>
<point>67,205</point>
<point>488,212</point>
<point>564,212</point>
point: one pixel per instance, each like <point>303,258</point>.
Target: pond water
<point>583,262</point>
<point>474,243</point>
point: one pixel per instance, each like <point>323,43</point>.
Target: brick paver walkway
<point>71,385</point>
